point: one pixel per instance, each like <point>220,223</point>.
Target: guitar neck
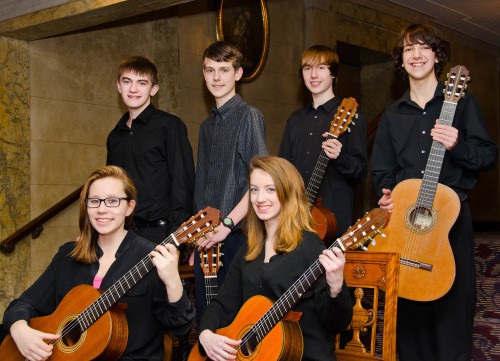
<point>114,293</point>
<point>317,176</point>
<point>211,287</point>
<point>288,300</point>
<point>432,171</point>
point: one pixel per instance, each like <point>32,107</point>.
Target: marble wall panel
<point>59,163</point>
<point>14,164</point>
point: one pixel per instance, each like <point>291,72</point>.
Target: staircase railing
<point>35,226</point>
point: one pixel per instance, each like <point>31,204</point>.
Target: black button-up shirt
<point>157,155</point>
<point>301,145</point>
<point>403,142</point>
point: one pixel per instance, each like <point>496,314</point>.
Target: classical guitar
<point>270,332</point>
<point>210,263</point>
<point>92,324</point>
<point>424,212</point>
<point>325,223</point>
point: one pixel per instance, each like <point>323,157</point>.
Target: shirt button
<point>423,131</point>
<point>310,133</point>
<point>423,151</point>
<point>425,113</point>
<point>422,171</point>
<point>315,117</point>
<point>307,152</point>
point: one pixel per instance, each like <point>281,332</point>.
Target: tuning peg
<point>364,248</point>
<point>373,242</point>
<point>356,115</point>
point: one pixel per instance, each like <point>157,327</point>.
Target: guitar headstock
<point>197,226</point>
<point>343,117</point>
<point>456,83</point>
<point>211,260</point>
<point>365,229</point>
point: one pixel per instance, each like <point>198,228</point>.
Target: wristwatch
<point>228,222</point>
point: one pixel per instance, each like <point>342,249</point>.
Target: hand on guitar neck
<point>325,223</point>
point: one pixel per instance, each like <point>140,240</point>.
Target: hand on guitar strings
<point>332,147</point>
<point>166,260</point>
<point>445,134</point>
<point>385,202</point>
<point>333,261</point>
<point>218,347</point>
<point>30,342</point>
<point>211,238</point>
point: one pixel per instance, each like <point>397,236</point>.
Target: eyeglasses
<point>108,202</point>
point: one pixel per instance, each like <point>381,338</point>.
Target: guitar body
<point>425,242</point>
<point>325,223</point>
<point>283,342</point>
<point>106,339</point>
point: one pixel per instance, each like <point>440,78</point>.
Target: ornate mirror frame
<point>245,23</point>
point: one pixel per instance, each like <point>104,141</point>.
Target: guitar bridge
<point>416,264</point>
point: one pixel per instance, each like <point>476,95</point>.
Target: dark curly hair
<point>422,34</point>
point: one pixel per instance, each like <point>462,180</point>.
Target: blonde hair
<point>85,249</point>
<point>295,215</point>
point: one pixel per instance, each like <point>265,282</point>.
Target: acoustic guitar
<point>423,214</point>
<point>210,263</point>
<point>325,223</point>
<point>91,323</point>
<point>270,332</point>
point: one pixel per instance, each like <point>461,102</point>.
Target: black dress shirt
<point>403,142</point>
<point>148,313</point>
<point>301,145</point>
<point>322,316</point>
<point>157,155</point>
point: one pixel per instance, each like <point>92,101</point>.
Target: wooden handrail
<point>35,226</point>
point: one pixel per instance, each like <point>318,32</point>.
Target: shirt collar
<point>405,99</point>
<point>227,107</point>
<point>143,117</point>
<point>327,107</point>
<point>124,246</point>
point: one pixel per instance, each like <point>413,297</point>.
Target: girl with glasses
<point>104,252</point>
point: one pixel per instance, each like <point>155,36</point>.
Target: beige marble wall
<point>14,164</point>
<point>74,105</point>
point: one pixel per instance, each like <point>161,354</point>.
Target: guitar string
<point>415,242</point>
<point>342,121</point>
<point>284,303</point>
<point>90,312</point>
<point>210,278</point>
<point>430,180</point>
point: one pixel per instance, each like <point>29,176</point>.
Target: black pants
<point>442,329</point>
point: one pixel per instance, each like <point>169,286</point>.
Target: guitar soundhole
<point>247,347</point>
<point>71,334</point>
<point>420,219</point>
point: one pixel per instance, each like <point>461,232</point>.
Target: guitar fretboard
<point>432,171</point>
<point>285,303</point>
<point>317,176</point>
<point>114,293</point>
